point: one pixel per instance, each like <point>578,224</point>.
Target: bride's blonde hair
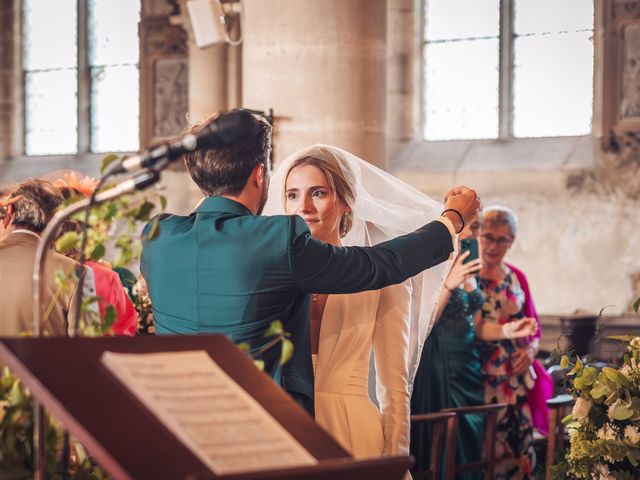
<point>341,180</point>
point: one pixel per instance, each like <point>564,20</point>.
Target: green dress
<point>449,377</point>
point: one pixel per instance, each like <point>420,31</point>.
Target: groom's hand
<point>464,201</point>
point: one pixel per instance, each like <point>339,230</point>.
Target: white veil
<point>385,207</point>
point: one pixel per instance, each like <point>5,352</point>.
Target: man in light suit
<point>226,269</point>
<point>24,214</point>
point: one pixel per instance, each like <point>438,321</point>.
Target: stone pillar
<point>404,65</point>
<point>207,80</point>
<point>11,112</point>
<point>321,65</point>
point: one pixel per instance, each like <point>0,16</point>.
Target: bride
<point>346,201</point>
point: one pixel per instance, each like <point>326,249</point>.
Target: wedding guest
<point>24,214</point>
<point>319,184</point>
<point>506,363</point>
<point>226,269</point>
<point>449,375</point>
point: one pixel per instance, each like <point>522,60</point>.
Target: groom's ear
<point>258,175</point>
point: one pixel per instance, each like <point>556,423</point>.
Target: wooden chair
<point>558,408</point>
<point>444,422</point>
<point>488,456</point>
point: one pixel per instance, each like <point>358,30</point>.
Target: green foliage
<point>108,160</point>
<point>287,351</point>
<point>604,427</point>
<point>67,242</point>
<point>276,335</point>
<point>110,226</point>
<point>275,329</point>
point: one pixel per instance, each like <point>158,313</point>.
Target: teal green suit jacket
<point>224,270</point>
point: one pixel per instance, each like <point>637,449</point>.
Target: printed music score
<point>227,429</point>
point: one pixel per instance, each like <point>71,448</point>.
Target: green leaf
<point>153,230</point>
<point>109,318</point>
<point>287,351</point>
<point>84,306</point>
<point>108,160</point>
<point>163,203</point>
<point>600,390</point>
<point>636,305</point>
<point>244,347</point>
<point>68,242</point>
<point>143,211</point>
<point>589,376</point>
<point>112,211</point>
<point>615,376</point>
<point>259,364</point>
<point>622,411</point>
<point>98,252</point>
<point>624,338</point>
<point>612,398</point>
<point>567,420</point>
<point>274,329</point>
<point>564,362</point>
<point>576,368</point>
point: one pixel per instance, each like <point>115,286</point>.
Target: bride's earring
<point>345,224</point>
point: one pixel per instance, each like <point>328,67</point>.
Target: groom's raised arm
<point>318,267</point>
<point>321,268</point>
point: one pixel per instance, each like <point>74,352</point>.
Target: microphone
<point>227,129</point>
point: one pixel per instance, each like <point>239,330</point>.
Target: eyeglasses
<point>500,241</point>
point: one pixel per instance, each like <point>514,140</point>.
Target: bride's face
<point>308,194</point>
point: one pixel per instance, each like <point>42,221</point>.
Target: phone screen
<point>470,244</point>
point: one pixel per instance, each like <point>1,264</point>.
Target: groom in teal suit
<point>226,269</point>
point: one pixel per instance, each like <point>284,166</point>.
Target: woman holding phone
<point>449,374</point>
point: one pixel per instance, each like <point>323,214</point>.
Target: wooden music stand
<point>127,440</point>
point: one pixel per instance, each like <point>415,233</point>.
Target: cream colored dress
<point>352,327</point>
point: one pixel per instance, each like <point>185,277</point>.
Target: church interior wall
<point>579,206</point>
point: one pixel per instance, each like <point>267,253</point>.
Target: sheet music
<point>210,413</point>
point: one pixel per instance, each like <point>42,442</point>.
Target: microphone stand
<point>138,182</point>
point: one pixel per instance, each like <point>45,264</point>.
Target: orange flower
<point>5,202</point>
<point>83,185</point>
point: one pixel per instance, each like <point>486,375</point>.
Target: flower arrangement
<point>112,225</point>
<point>604,426</point>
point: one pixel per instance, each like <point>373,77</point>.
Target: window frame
<point>506,53</point>
<point>84,84</point>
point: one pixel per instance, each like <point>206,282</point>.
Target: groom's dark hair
<point>225,170</point>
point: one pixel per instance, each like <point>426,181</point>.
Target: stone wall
<point>348,73</point>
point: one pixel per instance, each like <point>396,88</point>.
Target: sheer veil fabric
<point>385,207</point>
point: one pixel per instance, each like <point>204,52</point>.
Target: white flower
<point>626,370</point>
<point>632,434</point>
<point>635,343</point>
<point>581,409</point>
<point>607,432</point>
<point>602,473</point>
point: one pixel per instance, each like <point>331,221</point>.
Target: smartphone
<point>470,244</point>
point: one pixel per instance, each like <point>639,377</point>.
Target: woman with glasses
<point>506,364</point>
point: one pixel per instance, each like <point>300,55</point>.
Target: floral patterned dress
<point>515,457</point>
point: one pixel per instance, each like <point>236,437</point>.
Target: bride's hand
<point>460,272</point>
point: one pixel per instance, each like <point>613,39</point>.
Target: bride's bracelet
<point>459,215</point>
